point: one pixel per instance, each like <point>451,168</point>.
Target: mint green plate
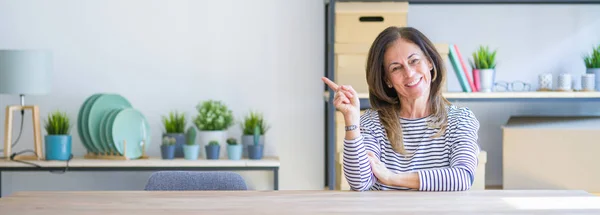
<point>82,122</point>
<point>101,106</point>
<point>130,125</point>
<point>107,130</point>
<point>103,124</point>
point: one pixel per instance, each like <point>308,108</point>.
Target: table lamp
<point>24,72</point>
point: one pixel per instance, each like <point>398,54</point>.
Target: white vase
<point>486,79</point>
<point>596,72</point>
<point>205,137</point>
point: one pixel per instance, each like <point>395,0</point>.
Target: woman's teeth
<point>414,82</point>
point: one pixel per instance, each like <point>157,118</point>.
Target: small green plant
<point>592,60</point>
<point>167,141</point>
<point>174,123</point>
<point>213,143</point>
<point>213,116</point>
<point>252,120</point>
<point>58,123</point>
<point>232,141</point>
<point>190,136</point>
<point>483,58</point>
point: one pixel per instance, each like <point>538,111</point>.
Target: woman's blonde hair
<point>386,101</point>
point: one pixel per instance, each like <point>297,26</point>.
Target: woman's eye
<point>414,61</point>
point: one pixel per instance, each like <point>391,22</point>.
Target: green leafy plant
<point>232,141</point>
<point>592,60</point>
<point>213,143</point>
<point>213,116</point>
<point>174,123</point>
<point>483,58</point>
<point>167,141</point>
<point>190,136</point>
<point>58,123</point>
<point>252,120</point>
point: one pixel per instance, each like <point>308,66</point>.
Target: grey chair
<point>195,180</point>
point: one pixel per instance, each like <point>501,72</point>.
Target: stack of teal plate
<point>106,121</point>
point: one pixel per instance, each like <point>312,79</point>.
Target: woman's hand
<point>345,99</point>
<point>382,173</point>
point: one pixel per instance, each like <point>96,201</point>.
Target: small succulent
<point>167,141</point>
<point>174,123</point>
<point>213,143</point>
<point>190,136</point>
<point>483,58</point>
<point>232,141</point>
<point>592,60</point>
<point>58,123</point>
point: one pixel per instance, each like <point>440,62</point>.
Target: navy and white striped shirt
<point>446,163</point>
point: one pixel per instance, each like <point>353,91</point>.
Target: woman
<point>412,137</point>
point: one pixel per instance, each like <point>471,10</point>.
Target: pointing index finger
<point>330,83</point>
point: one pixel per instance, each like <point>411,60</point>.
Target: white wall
<point>531,39</point>
<point>162,55</point>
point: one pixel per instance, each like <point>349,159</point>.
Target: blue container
<point>58,147</point>
<point>212,152</point>
<point>255,152</point>
<point>190,152</point>
<point>179,142</point>
<point>234,152</point>
<point>167,152</point>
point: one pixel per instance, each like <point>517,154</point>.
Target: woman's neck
<point>414,108</point>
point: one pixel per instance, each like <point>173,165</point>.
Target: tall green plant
<point>58,123</point>
<point>592,60</point>
<point>175,123</point>
<point>483,58</point>
<point>252,120</point>
<point>213,116</point>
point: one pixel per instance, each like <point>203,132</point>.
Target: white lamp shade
<point>25,72</point>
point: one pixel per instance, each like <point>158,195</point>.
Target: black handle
<point>371,19</point>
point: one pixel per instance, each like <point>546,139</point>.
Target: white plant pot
<point>205,137</point>
<point>596,72</point>
<point>486,79</point>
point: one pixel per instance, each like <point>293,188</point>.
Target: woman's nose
<point>410,71</point>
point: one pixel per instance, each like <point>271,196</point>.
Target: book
<point>460,74</point>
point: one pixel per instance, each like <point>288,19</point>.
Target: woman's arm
<point>358,141</point>
<point>458,177</point>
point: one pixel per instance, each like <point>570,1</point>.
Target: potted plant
<point>592,64</point>
<point>167,148</point>
<point>251,121</point>
<point>191,149</point>
<point>175,127</point>
<point>484,68</point>
<point>58,141</point>
<point>213,120</point>
<point>255,151</point>
<point>212,150</point>
<point>234,150</point>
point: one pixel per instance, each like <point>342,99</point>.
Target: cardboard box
<point>361,22</point>
<point>551,152</point>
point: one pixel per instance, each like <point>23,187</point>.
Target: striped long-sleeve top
<point>445,163</point>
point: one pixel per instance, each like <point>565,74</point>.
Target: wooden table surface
<point>300,202</point>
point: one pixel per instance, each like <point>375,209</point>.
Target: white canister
<point>588,82</point>
<point>545,81</point>
<point>565,82</point>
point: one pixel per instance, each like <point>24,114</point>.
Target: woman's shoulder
<point>461,116</point>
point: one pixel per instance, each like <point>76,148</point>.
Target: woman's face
<point>407,70</point>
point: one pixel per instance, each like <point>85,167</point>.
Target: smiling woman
<point>412,137</point>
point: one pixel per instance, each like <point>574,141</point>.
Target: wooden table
<point>150,164</point>
<point>300,202</point>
